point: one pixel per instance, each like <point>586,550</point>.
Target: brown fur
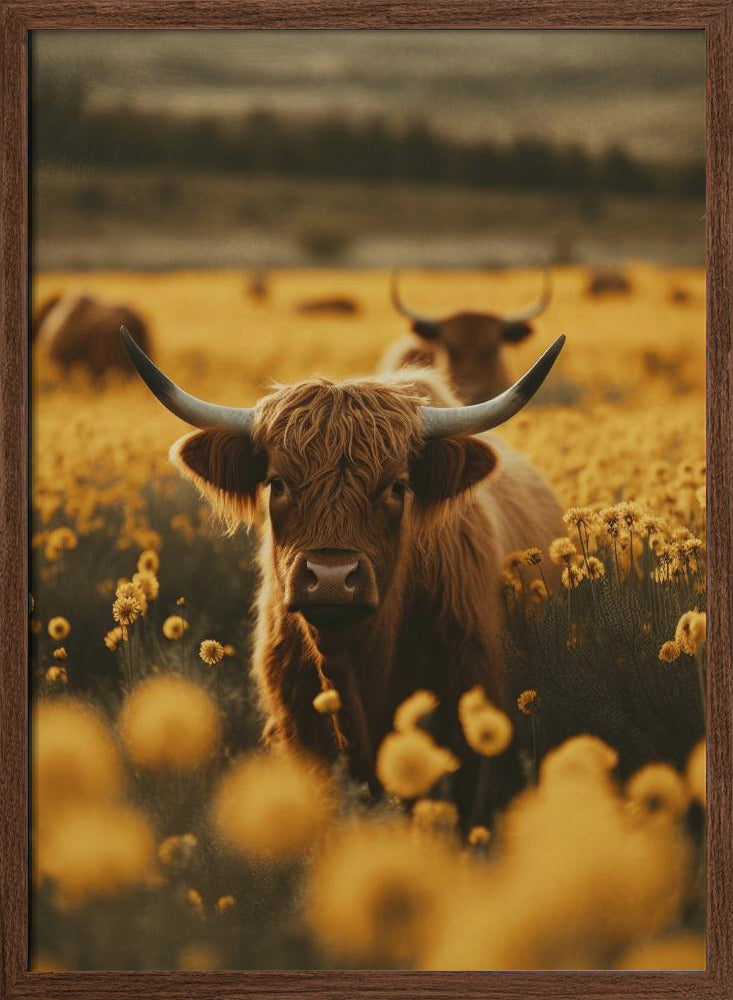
<point>467,347</point>
<point>437,556</point>
<point>80,330</point>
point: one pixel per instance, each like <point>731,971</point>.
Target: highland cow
<point>467,346</point>
<point>383,523</point>
<point>80,330</point>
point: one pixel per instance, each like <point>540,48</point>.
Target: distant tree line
<point>65,129</point>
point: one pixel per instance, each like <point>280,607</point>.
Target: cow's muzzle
<point>332,587</point>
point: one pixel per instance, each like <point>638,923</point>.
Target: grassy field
<point>163,840</point>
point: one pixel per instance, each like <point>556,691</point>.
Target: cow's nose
<point>332,578</point>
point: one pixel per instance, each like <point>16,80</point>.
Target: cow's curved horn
<point>440,421</point>
<point>425,325</point>
<point>540,305</point>
<point>194,411</point>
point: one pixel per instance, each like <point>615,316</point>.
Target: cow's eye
<point>277,486</point>
<point>399,488</point>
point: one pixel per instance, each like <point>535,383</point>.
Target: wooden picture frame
<point>18,18</point>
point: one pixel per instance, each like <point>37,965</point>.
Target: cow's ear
<point>227,469</point>
<point>513,333</point>
<point>447,467</point>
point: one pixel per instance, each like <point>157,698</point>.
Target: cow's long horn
<point>194,411</point>
<point>440,421</point>
<point>426,324</point>
<point>540,305</point>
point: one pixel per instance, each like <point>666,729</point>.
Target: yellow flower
<point>596,569</point>
<point>561,551</point>
<point>479,836</point>
<point>60,654</point>
<point>573,575</point>
<point>96,851</point>
<point>532,556</point>
<point>194,899</point>
<point>413,709</point>
<point>169,723</point>
<point>148,562</point>
<point>528,702</point>
<point>691,631</point>
<point>148,584</point>
<point>696,773</point>
<point>272,808</point>
<point>488,731</point>
<point>177,850</point>
<point>578,756</point>
<point>74,758</point>
<point>211,652</point>
<point>128,589</point>
<point>59,540</point>
<point>174,626</point>
<point>658,789</point>
<point>514,561</point>
<point>435,814</point>
<point>56,675</point>
<point>610,517</point>
<point>580,517</point>
<point>327,702</point>
<point>670,652</point>
<point>230,650</point>
<point>114,637</point>
<point>409,763</point>
<point>538,590</point>
<point>59,628</point>
<point>377,894</point>
<point>126,610</point>
<point>224,904</point>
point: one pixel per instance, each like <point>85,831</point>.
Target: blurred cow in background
<point>74,329</point>
<point>467,346</point>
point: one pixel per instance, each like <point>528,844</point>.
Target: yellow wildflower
<point>528,702</point>
<point>174,626</point>
<point>148,562</point>
<point>211,652</point>
<point>327,702</point>
<point>479,836</point>
<point>658,789</point>
<point>409,763</point>
<point>691,631</point>
<point>435,814</point>
<point>59,627</point>
<point>225,903</point>
<point>177,850</point>
<point>126,610</point>
<point>413,709</point>
<point>114,637</point>
<point>561,551</point>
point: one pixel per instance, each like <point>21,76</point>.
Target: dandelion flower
<point>538,590</point>
<point>573,575</point>
<point>561,551</point>
<point>377,893</point>
<point>177,850</point>
<point>96,852</point>
<point>60,654</point>
<point>74,757</point>
<point>596,569</point>
<point>114,637</point>
<point>479,836</point>
<point>230,650</point>
<point>488,731</point>
<point>272,808</point>
<point>436,815</point>
<point>148,584</point>
<point>532,557</point>
<point>610,518</point>
<point>126,610</point>
<point>56,675</point>
<point>580,517</point>
<point>59,540</point>
<point>658,789</point>
<point>211,652</point>
<point>696,773</point>
<point>181,602</point>
<point>327,702</point>
<point>514,561</point>
<point>128,589</point>
<point>528,702</point>
<point>169,723</point>
<point>174,626</point>
<point>579,756</point>
<point>59,628</point>
<point>148,562</point>
<point>691,631</point>
<point>414,709</point>
<point>410,762</point>
<point>194,899</point>
<point>224,904</point>
<point>472,700</point>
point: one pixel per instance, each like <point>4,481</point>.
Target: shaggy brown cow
<point>467,346</point>
<point>383,523</point>
<point>80,330</point>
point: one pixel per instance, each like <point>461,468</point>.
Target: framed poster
<point>356,623</point>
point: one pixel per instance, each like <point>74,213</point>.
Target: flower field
<point>164,837</point>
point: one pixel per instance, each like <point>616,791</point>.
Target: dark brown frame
<point>18,17</point>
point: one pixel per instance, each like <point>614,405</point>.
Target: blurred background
<point>367,149</point>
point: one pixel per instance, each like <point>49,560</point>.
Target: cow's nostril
<point>311,578</point>
<point>352,578</point>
